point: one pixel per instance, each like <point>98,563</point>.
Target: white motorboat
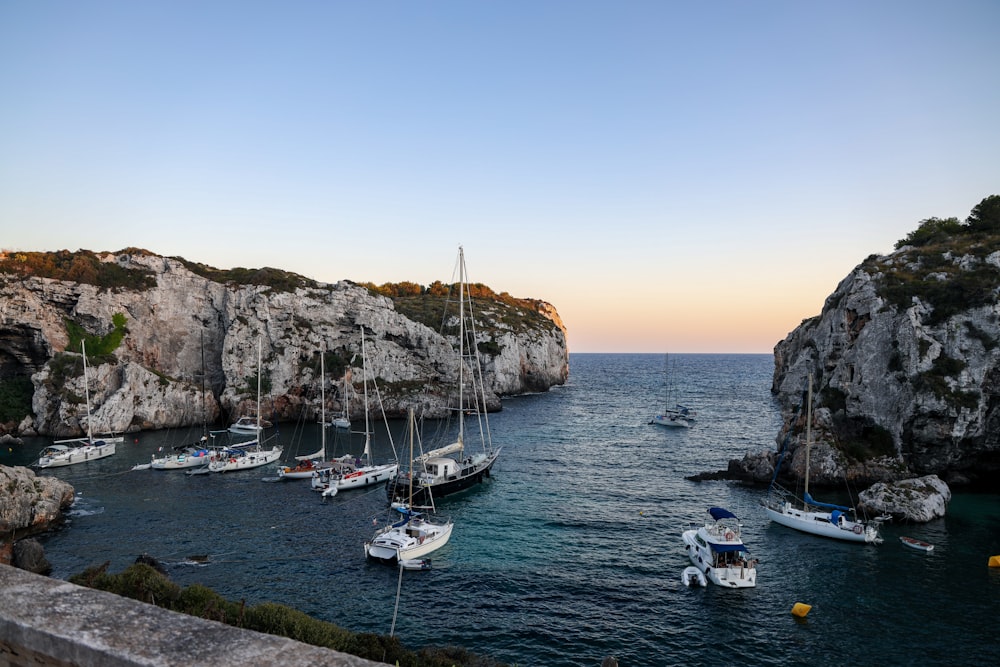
<point>717,550</point>
<point>811,516</point>
<point>249,425</point>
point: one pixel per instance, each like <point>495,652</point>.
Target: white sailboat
<point>453,468</point>
<point>309,465</point>
<point>364,472</point>
<point>674,416</point>
<point>250,454</point>
<point>344,421</point>
<point>64,453</point>
<point>811,516</point>
<point>412,537</point>
<point>192,455</point>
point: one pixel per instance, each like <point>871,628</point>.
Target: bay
<point>572,550</point>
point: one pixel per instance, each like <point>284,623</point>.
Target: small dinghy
<point>916,544</point>
<point>141,466</point>
<point>415,563</point>
<point>692,576</point>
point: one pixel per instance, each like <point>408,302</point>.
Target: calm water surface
<point>572,551</point>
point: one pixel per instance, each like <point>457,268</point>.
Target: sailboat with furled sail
<point>811,516</point>
<point>250,454</point>
<point>456,466</point>
<point>64,454</point>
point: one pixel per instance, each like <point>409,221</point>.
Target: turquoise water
<point>572,551</point>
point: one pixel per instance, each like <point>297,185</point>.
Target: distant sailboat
<point>675,416</point>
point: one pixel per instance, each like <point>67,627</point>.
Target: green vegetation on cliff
<point>494,312</point>
<point>942,263</point>
<point>276,279</point>
<point>144,583</point>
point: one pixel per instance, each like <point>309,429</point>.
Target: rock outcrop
<point>905,361</point>
<point>29,505</point>
<point>917,500</point>
<point>180,318</point>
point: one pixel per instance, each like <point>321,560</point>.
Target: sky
<point>672,176</point>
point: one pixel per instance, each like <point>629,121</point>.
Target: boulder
<point>916,500</point>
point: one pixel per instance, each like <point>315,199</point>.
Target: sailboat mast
<point>322,401</point>
<point>368,435</point>
<point>809,419</point>
<point>259,347</point>
<point>86,390</point>
<point>204,410</point>
<point>461,345</point>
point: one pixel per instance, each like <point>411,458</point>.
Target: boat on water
<point>185,456</point>
<point>674,416</point>
<point>78,450</point>
<point>249,454</point>
<point>717,550</point>
<point>248,425</point>
<point>308,466</point>
<point>914,543</point>
<point>363,472</point>
<point>458,465</point>
<point>811,516</point>
<point>415,535</point>
<point>692,576</point>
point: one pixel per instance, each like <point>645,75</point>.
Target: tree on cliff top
<point>984,218</point>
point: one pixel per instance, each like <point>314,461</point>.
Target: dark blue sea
<point>572,551</point>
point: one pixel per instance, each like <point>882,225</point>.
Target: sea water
<point>572,551</point>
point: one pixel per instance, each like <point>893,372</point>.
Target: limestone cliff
<point>905,357</point>
<point>181,317</point>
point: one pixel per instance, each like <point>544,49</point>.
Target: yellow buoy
<point>994,561</point>
<point>800,609</point>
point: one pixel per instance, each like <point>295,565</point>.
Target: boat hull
<point>366,476</point>
<point>402,544</point>
<point>398,490</point>
<point>74,455</point>
<point>247,461</point>
<point>818,523</point>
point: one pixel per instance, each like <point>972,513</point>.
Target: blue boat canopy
<point>835,517</point>
<point>725,548</point>
<point>809,499</point>
<point>720,513</point>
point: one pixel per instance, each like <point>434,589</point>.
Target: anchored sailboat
<point>812,516</point>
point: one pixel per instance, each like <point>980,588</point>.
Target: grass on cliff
<point>144,583</point>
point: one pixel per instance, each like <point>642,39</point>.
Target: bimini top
<point>720,513</point>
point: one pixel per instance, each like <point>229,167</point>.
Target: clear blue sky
<point>671,176</point>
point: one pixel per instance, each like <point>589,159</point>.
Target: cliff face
<point>905,362</point>
<point>179,320</point>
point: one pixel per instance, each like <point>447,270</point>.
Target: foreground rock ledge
<point>50,622</point>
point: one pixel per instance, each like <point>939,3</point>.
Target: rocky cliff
<point>180,318</point>
<point>905,357</point>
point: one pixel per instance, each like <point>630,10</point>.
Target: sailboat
<point>192,455</point>
<point>250,454</point>
<point>65,453</point>
<point>452,468</point>
<point>309,465</point>
<point>363,472</point>
<point>413,536</point>
<point>344,421</point>
<point>676,416</point>
<point>812,516</point>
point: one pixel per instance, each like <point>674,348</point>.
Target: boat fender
<point>857,530</point>
<point>729,535</point>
